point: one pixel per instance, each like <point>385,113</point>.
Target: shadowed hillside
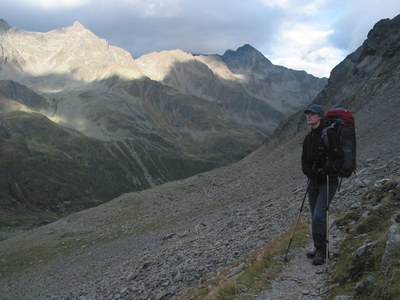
<point>95,123</point>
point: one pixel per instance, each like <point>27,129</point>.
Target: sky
<point>309,35</point>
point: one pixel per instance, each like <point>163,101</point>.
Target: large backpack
<point>342,121</point>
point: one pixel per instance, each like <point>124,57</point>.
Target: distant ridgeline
<point>82,122</point>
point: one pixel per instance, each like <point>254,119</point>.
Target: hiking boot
<point>311,254</point>
<point>319,257</point>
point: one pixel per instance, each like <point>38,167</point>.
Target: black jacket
<point>317,160</point>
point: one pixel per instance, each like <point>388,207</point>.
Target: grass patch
<point>137,214</point>
<point>359,268</point>
<point>257,269</point>
<point>15,262</point>
<point>358,271</point>
<point>388,287</point>
<point>27,219</point>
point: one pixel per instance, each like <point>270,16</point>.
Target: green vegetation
<point>14,262</point>
<point>360,275</point>
<point>259,269</point>
<point>47,171</point>
<point>363,271</point>
<point>129,215</point>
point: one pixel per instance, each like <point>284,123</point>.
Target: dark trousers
<point>318,205</point>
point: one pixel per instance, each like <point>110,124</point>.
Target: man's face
<point>313,119</point>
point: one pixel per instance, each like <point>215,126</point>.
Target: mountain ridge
<point>244,57</point>
<point>154,123</point>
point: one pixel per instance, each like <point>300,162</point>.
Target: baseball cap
<point>316,109</point>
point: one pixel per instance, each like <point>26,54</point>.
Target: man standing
<point>319,163</point>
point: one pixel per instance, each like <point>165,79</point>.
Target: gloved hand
<point>328,169</point>
<point>310,172</point>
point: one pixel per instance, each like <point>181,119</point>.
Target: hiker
<point>318,163</point>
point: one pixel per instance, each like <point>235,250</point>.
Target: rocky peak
<point>78,26</point>
<point>73,50</point>
<point>78,29</point>
<point>245,57</point>
<point>4,26</point>
<point>376,60</point>
<point>385,31</point>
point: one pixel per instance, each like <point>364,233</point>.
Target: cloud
<point>305,47</point>
<point>52,4</point>
<point>317,35</point>
<point>302,39</point>
<point>206,26</point>
<point>356,21</point>
<point>311,35</point>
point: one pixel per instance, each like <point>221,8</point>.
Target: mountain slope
<point>31,164</point>
<point>156,243</point>
<point>73,52</point>
<point>219,78</point>
<point>174,117</point>
<point>284,88</point>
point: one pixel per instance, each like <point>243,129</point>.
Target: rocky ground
<point>157,243</point>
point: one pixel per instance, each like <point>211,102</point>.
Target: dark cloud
<point>213,26</point>
<point>351,30</point>
<point>197,26</point>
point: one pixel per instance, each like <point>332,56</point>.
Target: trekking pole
<point>298,218</point>
<point>327,224</point>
